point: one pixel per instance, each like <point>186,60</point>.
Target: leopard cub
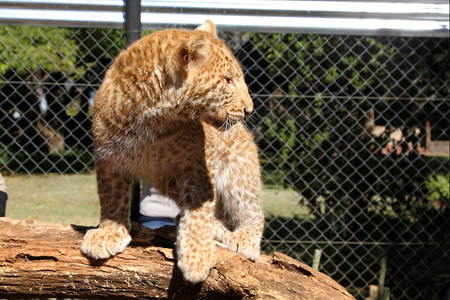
<point>169,112</point>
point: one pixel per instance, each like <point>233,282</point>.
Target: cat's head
<point>215,86</point>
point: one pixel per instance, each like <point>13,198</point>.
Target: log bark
<point>44,260</point>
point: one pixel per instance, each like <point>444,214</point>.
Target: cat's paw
<point>102,243</point>
<point>222,234</point>
<point>194,272</point>
<point>246,241</point>
<point>196,261</point>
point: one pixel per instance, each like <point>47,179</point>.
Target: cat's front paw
<point>194,272</point>
<point>195,260</point>
<point>246,241</point>
<point>102,243</point>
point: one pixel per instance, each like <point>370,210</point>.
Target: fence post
<point>132,21</point>
<point>383,292</point>
<point>316,259</point>
<point>132,34</point>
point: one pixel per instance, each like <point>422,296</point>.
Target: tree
<point>49,76</point>
<point>318,129</point>
<point>29,59</point>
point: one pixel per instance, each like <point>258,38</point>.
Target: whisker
<point>228,124</point>
<point>223,126</point>
<point>251,117</point>
<point>244,122</point>
<point>193,114</point>
<point>232,124</point>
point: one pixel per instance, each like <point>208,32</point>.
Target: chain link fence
<point>354,128</point>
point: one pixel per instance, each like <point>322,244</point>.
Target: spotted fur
<point>170,112</point>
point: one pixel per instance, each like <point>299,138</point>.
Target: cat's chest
<point>181,146</point>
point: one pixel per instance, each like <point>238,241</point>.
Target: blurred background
<point>351,117</point>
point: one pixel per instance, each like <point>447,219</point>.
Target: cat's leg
<point>241,199</point>
<point>112,235</point>
<point>195,243</point>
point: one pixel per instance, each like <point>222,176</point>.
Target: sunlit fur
<point>170,112</point>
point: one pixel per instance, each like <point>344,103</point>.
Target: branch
<point>44,260</point>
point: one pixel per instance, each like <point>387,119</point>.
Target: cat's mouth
<point>227,123</point>
<point>222,125</point>
<point>225,119</point>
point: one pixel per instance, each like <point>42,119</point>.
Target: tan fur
<point>169,112</point>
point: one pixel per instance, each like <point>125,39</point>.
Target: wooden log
<point>44,260</point>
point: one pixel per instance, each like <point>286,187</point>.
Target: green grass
<point>68,199</point>
<point>72,199</point>
<point>284,203</point>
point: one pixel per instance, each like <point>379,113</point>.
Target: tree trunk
<point>44,260</point>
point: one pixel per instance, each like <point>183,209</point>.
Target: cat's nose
<point>247,102</point>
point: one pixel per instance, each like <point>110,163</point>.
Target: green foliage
<point>98,44</point>
<point>285,134</point>
<point>438,187</point>
<point>313,63</point>
<point>47,56</point>
<point>26,48</point>
<point>320,132</point>
<point>69,51</point>
<point>314,70</point>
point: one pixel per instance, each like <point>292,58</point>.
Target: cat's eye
<point>228,79</point>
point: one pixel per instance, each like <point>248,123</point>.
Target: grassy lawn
<point>68,199</point>
<point>72,199</point>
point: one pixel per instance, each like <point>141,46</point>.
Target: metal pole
<point>133,33</point>
<point>132,21</point>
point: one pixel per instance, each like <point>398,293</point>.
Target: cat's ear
<point>208,27</point>
<point>197,50</point>
<point>192,53</point>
